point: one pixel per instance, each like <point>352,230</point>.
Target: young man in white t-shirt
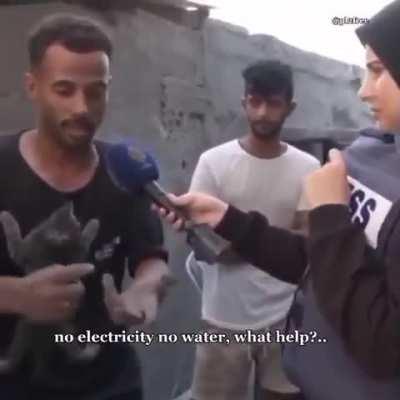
<point>255,172</point>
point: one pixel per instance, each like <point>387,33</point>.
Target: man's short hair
<point>269,77</point>
<point>76,33</point>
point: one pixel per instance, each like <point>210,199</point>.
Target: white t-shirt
<point>240,296</point>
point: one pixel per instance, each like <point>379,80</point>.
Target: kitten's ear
<point>68,208</point>
<point>90,232</point>
<point>64,213</point>
<point>13,235</point>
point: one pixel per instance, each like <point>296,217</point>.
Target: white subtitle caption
<point>301,338</point>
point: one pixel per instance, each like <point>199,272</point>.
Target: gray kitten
<point>57,240</point>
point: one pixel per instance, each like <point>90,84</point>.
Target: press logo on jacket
<point>368,209</point>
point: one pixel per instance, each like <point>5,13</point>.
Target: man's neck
<point>262,148</point>
<point>56,156</point>
<point>61,168</point>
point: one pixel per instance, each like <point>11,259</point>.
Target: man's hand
<point>328,185</point>
<point>137,305</point>
<point>199,207</point>
<point>52,294</point>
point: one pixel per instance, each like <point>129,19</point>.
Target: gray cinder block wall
<point>177,91</point>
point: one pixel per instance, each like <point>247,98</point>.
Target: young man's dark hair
<point>76,33</point>
<point>269,77</point>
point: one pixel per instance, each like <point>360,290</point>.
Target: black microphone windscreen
<point>129,168</point>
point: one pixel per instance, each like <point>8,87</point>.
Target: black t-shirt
<point>129,232</point>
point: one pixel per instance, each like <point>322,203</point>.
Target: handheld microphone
<point>132,171</point>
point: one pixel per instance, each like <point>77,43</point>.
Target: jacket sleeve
<point>357,293</point>
<point>277,251</point>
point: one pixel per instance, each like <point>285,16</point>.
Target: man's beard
<point>266,130</point>
<point>77,132</point>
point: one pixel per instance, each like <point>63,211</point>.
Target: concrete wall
<point>326,90</point>
<point>177,91</point>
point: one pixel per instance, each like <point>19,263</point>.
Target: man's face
<point>70,91</point>
<point>266,116</point>
<point>381,93</point>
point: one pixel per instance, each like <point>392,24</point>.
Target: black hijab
<point>382,34</point>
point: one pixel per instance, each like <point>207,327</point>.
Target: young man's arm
<point>138,303</point>
<point>147,260</point>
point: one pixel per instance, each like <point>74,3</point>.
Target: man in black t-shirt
<point>60,161</point>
